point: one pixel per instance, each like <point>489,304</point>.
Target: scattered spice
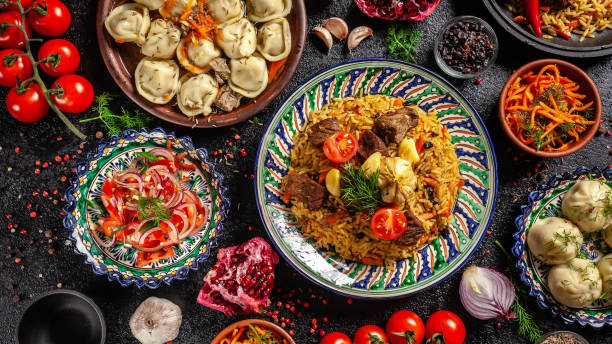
<point>466,47</point>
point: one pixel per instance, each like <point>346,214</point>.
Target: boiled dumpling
<point>157,80</point>
<point>605,269</point>
<point>575,284</point>
<point>585,203</point>
<point>162,40</point>
<point>225,10</point>
<point>606,233</point>
<point>196,55</point>
<point>128,23</point>
<point>196,94</point>
<point>274,40</point>
<point>176,8</point>
<point>554,240</point>
<point>151,4</point>
<point>266,10</point>
<point>237,39</point>
<point>249,75</point>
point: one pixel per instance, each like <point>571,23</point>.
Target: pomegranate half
<point>414,10</point>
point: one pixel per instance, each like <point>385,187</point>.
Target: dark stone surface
<point>42,272</point>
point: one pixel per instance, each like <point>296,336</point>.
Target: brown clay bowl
<point>248,322</point>
<point>587,87</point>
<point>121,61</point>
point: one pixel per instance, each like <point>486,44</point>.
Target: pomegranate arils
<point>415,10</point>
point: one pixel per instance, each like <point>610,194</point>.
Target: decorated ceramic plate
<point>119,261</point>
<point>433,262</point>
<point>546,202</point>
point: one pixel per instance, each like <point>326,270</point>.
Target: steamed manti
<point>147,208</point>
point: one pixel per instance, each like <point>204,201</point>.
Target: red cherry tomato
<point>21,68</point>
<point>78,93</point>
<point>69,57</point>
<point>340,147</point>
<point>445,327</point>
<point>404,325</point>
<point>370,334</point>
<point>388,223</point>
<point>55,22</point>
<point>336,338</point>
<point>29,106</point>
<point>24,3</point>
<point>13,37</point>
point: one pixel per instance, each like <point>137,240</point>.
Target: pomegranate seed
<point>349,301</point>
<point>478,81</point>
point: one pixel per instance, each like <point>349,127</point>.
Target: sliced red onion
<point>102,243</point>
<point>138,185</point>
<point>144,235</point>
<point>158,168</point>
<point>173,230</point>
<point>152,185</point>
<point>162,153</point>
<point>131,207</point>
<point>137,231</point>
<point>486,293</point>
<point>185,219</point>
<point>120,206</point>
<point>192,222</point>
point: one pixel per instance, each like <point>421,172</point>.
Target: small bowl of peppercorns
<point>465,47</point>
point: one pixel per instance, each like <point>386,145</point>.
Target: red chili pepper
<point>532,10</point>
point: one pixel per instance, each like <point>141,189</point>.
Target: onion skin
<point>487,293</point>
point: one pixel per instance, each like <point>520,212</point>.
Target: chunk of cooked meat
<point>321,131</point>
<point>370,143</point>
<point>394,126</point>
<point>301,188</point>
<point>413,232</point>
<point>221,69</point>
<point>227,100</point>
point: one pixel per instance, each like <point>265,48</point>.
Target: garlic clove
<point>337,27</point>
<point>357,35</point>
<point>156,321</point>
<point>325,36</point>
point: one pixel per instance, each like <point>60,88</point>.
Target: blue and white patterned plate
<point>475,203</point>
<point>119,261</point>
<point>546,202</point>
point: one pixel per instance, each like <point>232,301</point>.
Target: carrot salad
<point>253,334</point>
<point>546,111</point>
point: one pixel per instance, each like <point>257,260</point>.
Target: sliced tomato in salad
<point>340,147</point>
<point>146,258</point>
<point>171,165</point>
<point>388,223</point>
<point>109,225</point>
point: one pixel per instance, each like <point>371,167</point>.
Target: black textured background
<point>40,271</point>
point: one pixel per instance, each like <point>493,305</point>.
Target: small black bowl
<point>62,316</point>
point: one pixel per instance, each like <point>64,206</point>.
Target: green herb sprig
<point>360,192</point>
<point>153,209</point>
<point>115,123</point>
<point>403,41</point>
<point>266,338</point>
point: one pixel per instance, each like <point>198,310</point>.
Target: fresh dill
<point>116,123</point>
<point>403,41</point>
<point>266,338</point>
<point>360,193</point>
<point>152,209</point>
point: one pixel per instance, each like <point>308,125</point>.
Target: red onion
<point>173,230</point>
<point>121,181</point>
<point>162,153</point>
<point>486,293</point>
<point>192,222</point>
<point>183,217</point>
<point>144,235</point>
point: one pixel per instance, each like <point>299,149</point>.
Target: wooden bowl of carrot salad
<point>253,331</point>
<point>550,108</point>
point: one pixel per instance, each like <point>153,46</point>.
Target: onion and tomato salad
<point>147,208</point>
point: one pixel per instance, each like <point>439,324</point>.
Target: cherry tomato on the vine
<point>19,68</point>
<point>445,327</point>
<point>69,57</point>
<point>340,147</point>
<point>78,93</point>
<point>11,6</point>
<point>405,327</point>
<point>336,338</point>
<point>12,37</point>
<point>388,223</point>
<point>29,106</point>
<point>370,334</point>
<point>55,22</point>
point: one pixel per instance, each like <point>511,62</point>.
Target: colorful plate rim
<point>518,248</point>
<point>70,221</point>
<point>258,180</point>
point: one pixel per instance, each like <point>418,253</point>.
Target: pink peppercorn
<point>23,232</point>
<point>306,304</point>
<point>322,333</point>
<point>33,214</point>
<point>325,319</point>
<point>349,301</point>
<point>58,158</point>
<point>291,333</point>
<point>17,149</point>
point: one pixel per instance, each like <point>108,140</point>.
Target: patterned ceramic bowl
<point>433,262</point>
<point>118,261</point>
<point>546,202</point>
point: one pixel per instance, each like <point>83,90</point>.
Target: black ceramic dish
<point>601,45</point>
<point>62,317</point>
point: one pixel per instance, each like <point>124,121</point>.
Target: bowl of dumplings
<point>202,63</point>
<point>564,246</point>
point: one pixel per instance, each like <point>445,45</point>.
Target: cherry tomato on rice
<point>403,325</point>
<point>78,93</point>
<point>69,57</point>
<point>446,324</point>
<point>388,223</point>
<point>370,334</point>
<point>24,3</point>
<point>21,68</point>
<point>29,106</point>
<point>336,338</point>
<point>13,37</point>
<point>55,22</point>
<point>340,147</point>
